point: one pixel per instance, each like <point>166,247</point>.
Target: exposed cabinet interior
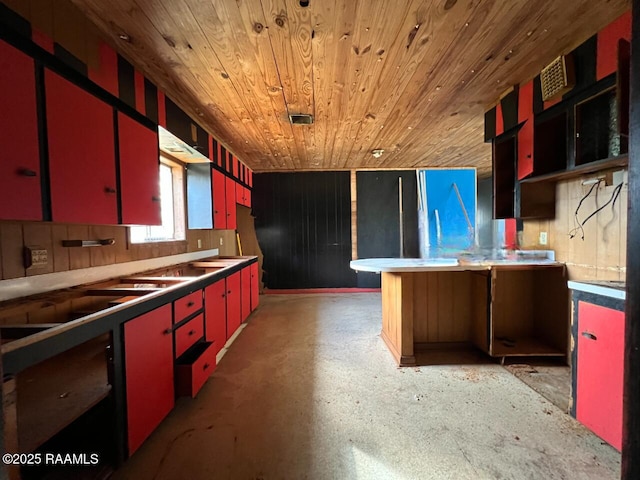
<point>54,393</point>
<point>529,312</point>
<point>550,144</point>
<point>597,131</point>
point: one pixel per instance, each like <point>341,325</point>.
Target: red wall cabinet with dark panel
<point>234,309</point>
<point>139,172</point>
<point>245,292</point>
<point>219,200</point>
<point>215,304</point>
<point>600,367</point>
<point>20,158</point>
<point>148,347</point>
<point>82,161</point>
<point>240,194</point>
<point>230,187</point>
<point>255,286</point>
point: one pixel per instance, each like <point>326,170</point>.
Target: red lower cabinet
<point>215,314</point>
<point>193,370</point>
<point>245,292</point>
<point>148,347</point>
<point>600,368</point>
<point>255,286</point>
<point>234,309</point>
<point>188,334</point>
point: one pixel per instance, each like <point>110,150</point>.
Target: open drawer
<point>194,368</point>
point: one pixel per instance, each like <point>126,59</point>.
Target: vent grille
<point>300,119</point>
<point>557,78</point>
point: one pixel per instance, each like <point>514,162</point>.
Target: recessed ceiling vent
<point>300,119</point>
<point>557,78</point>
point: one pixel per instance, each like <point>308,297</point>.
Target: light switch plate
<point>543,238</point>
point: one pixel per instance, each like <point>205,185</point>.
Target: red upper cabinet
<point>148,350</point>
<point>216,314</point>
<point>247,197</point>
<point>231,203</point>
<point>239,194</point>
<point>255,286</point>
<point>81,154</point>
<point>139,173</point>
<point>219,200</point>
<point>600,369</point>
<point>20,157</point>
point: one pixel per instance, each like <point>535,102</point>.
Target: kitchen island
<point>503,307</point>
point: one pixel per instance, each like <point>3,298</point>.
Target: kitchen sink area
<point>62,349</point>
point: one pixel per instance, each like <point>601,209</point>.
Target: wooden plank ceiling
<point>412,77</point>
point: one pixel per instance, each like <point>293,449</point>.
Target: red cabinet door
<point>234,311</point>
<point>231,203</point>
<point>20,195</point>
<point>255,287</point>
<point>215,314</point>
<point>219,200</point>
<point>139,173</point>
<point>600,371</point>
<point>239,194</point>
<point>148,350</point>
<point>245,292</point>
<point>188,334</point>
<point>247,197</point>
<point>81,154</point>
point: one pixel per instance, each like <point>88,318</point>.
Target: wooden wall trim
<point>631,397</point>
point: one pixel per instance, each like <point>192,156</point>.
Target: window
<point>172,208</point>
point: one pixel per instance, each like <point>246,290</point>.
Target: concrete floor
<point>309,390</point>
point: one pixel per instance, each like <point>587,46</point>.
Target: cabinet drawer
<point>185,306</point>
<point>193,372</point>
<point>188,334</point>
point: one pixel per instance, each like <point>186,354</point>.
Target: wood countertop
<point>441,264</point>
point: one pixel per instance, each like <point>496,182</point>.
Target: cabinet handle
<point>109,190</point>
<point>223,295</point>
<point>229,291</point>
<point>215,211</point>
<point>155,199</point>
<point>205,366</point>
<point>27,172</point>
<point>168,331</point>
<point>589,335</point>
<point>190,304</point>
<point>191,332</point>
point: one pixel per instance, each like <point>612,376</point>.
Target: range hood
<point>173,147</point>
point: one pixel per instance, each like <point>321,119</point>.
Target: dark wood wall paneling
<point>303,223</point>
<point>379,218</point>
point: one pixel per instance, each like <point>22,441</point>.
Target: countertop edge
<point>597,289</point>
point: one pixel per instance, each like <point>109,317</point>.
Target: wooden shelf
<point>587,168</point>
<point>525,347</point>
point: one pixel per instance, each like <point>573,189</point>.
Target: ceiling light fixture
<point>377,153</point>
